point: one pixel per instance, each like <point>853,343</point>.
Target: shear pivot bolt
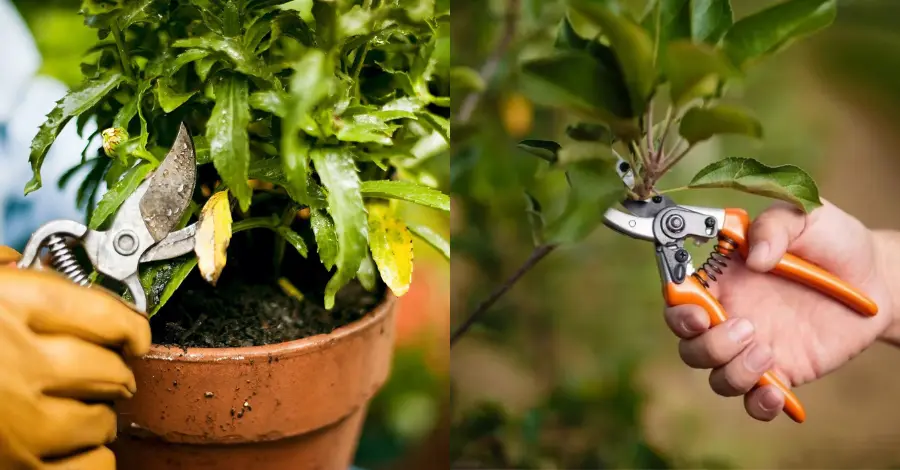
<point>675,223</point>
<point>125,243</point>
<point>681,256</point>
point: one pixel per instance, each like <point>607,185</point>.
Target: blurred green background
<point>408,420</point>
<point>575,367</point>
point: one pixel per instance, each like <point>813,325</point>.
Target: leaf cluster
<point>331,107</point>
<point>634,81</point>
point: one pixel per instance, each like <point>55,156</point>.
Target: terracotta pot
<point>295,405</point>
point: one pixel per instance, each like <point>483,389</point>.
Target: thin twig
<point>650,148</point>
<point>665,134</point>
<point>536,256</point>
<point>670,163</point>
<point>489,69</point>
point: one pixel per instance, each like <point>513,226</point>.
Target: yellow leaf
<point>213,236</point>
<point>392,247</point>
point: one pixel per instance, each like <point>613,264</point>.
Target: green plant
<point>634,80</point>
<point>311,114</point>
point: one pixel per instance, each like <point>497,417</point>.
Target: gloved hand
<point>60,360</point>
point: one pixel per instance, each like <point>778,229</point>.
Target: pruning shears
<point>141,231</point>
<point>667,225</point>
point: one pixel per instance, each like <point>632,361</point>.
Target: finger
<point>8,255</point>
<point>51,304</point>
<point>85,371</point>
<point>66,426</point>
<point>764,403</point>
<point>771,234</point>
<point>719,345</point>
<point>740,375</point>
<point>98,458</point>
<point>687,321</point>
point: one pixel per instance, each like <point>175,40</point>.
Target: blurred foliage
<point>578,334</point>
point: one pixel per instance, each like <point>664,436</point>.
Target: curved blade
<point>171,187</point>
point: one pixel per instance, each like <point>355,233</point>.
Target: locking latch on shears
<point>667,224</point>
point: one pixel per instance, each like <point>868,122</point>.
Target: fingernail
<point>740,331</point>
<point>758,359</point>
<point>770,400</point>
<point>758,253</point>
<point>693,325</point>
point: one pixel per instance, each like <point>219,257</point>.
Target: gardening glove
<point>59,345</point>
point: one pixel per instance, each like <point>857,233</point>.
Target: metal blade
<point>174,245</point>
<point>171,187</point>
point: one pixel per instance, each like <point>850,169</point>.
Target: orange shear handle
<point>737,223</point>
<point>692,292</point>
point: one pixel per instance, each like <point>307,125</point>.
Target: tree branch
<point>536,256</point>
<point>489,69</point>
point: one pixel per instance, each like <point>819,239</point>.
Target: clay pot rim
<point>296,347</point>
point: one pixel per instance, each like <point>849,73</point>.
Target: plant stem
<point>358,61</point>
<point>256,222</point>
<point>123,53</point>
<point>665,134</point>
<point>650,149</point>
<point>536,256</point>
<point>672,190</point>
<point>490,67</point>
<point>671,162</point>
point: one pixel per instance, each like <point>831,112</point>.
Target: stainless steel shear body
<point>141,230</point>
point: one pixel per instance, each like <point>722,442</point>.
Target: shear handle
<point>691,292</point>
<point>736,226</point>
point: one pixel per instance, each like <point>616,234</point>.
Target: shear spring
<point>63,260</point>
<point>717,261</point>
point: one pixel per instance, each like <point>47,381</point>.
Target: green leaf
<point>338,173</point>
<point>226,131</point>
<point>710,19</point>
<point>367,273</point>
<point>577,81</point>
<point>406,191</point>
<point>770,30</point>
<point>465,78</point>
<point>568,38</point>
<point>785,182</point>
<point>75,103</point>
<point>439,123</point>
<point>633,47</point>
<point>392,247</point>
<point>135,12</point>
<point>365,128</point>
<point>695,71</point>
<point>293,238</point>
<point>118,193</point>
<point>326,238</point>
<point>431,237</point>
<point>700,21</point>
<point>160,280</point>
<point>169,99</point>
<point>595,186</point>
<point>589,132</point>
<point>581,151</point>
<point>543,149</point>
<point>270,101</point>
<point>244,60</point>
<point>312,81</point>
<point>699,124</point>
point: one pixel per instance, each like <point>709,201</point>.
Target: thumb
<point>8,255</point>
<point>772,233</point>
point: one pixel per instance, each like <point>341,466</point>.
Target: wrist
<point>887,259</point>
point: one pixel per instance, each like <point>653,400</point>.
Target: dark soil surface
<point>247,307</point>
<point>253,315</point>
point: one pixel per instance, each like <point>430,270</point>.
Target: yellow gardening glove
<point>60,356</point>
